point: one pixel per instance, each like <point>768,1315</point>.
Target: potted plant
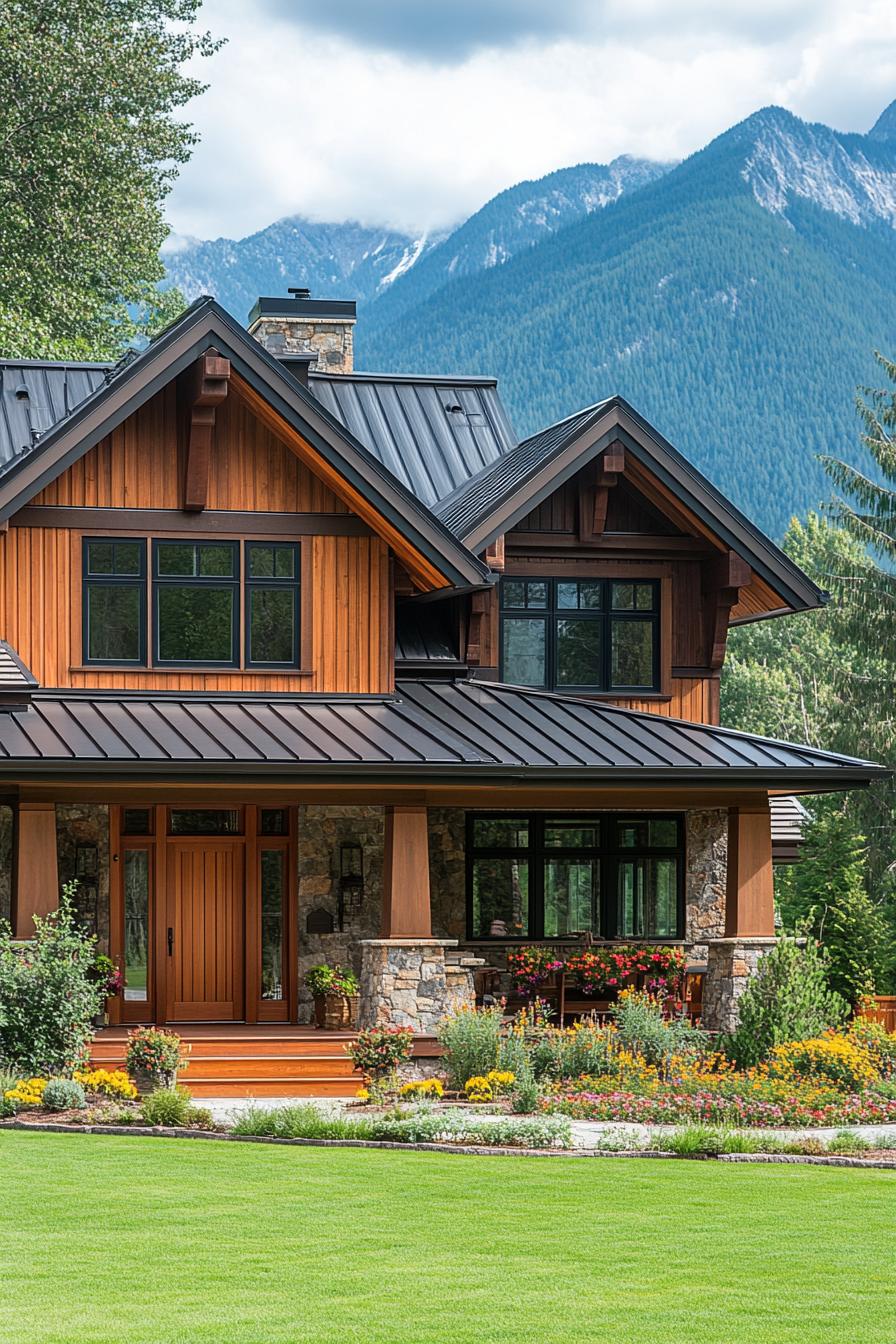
<point>377,1053</point>
<point>153,1058</point>
<point>108,977</point>
<point>336,996</point>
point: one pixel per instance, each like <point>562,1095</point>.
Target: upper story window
<point>581,634</point>
<point>198,603</point>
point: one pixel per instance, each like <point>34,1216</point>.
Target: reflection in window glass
<point>136,821</point>
<point>500,832</point>
<point>500,897</point>
<point>572,835</point>
<point>571,896</point>
<point>648,898</point>
<point>579,653</point>
<point>272,625</point>
<point>204,821</point>
<point>632,653</point>
<point>195,624</point>
<point>114,618</point>
<point>273,921</point>
<point>136,925</point>
<point>273,821</point>
<point>524,651</point>
<point>583,596</point>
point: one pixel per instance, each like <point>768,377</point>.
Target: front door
<point>205,939</point>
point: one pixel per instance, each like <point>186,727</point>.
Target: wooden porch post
<point>749,897</point>
<point>36,886</point>
<point>406,910</point>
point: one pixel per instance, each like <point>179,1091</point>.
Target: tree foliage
<point>90,144</point>
<point>826,895</point>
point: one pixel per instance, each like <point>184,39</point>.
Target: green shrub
<point>302,1121</point>
<point>47,995</point>
<point>7,1083</point>
<point>524,1097</point>
<point>692,1141</point>
<point>63,1094</point>
<point>786,1000</point>
<point>110,1113</point>
<point>172,1108</point>
<point>847,1144</point>
<point>643,1029</point>
<point>499,1132</point>
<point>583,1050</point>
<point>472,1041</point>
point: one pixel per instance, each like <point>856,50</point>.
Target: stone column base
<point>406,982</point>
<point>730,964</point>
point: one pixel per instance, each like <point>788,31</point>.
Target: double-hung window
<point>533,875</point>
<point>581,634</point>
<point>173,603</point>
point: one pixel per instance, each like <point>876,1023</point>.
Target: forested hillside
<point>737,301</point>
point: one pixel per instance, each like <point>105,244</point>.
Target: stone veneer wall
<point>86,824</point>
<point>331,339</point>
<point>321,831</point>
<point>5,865</point>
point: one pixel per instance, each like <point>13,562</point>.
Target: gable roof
<point>426,731</point>
<point>203,326</point>
<point>494,500</point>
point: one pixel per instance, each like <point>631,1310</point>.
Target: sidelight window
<point>580,634</point>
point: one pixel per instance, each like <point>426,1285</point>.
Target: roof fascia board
<point>199,330</point>
<point>619,421</point>
<point>547,478</point>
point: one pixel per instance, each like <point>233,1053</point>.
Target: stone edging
<point>145,1132</point>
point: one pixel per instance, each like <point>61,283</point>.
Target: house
<point>303,665</point>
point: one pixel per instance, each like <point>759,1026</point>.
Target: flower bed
<point>711,1108</point>
<point>599,971</point>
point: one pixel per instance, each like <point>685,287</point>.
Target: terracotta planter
<point>336,1012</point>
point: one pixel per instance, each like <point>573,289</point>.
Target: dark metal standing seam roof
<point>404,422</point>
<point>474,498</point>
<point>464,730</point>
<point>53,390</point>
<point>432,434</point>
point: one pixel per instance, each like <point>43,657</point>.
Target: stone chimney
<point>300,325</point>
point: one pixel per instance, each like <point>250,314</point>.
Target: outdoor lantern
<point>351,879</point>
<point>87,877</point>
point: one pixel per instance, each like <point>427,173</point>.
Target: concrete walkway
<point>586,1133</point>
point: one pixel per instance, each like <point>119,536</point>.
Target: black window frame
<point>609,853</point>
<point>254,584</point>
<point>606,615</point>
<point>90,581</point>
<point>162,581</point>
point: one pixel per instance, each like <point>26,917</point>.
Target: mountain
<point>332,260</point>
<point>515,220</point>
<point>736,300</point>
<point>351,261</point>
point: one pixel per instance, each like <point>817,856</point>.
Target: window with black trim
<point>196,589</point>
<point>272,604</point>
<point>206,603</point>
<point>532,875</point>
<point>114,622</point>
<point>581,634</point>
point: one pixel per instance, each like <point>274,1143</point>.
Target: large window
<point>210,603</point>
<point>540,876</point>
<point>581,634</point>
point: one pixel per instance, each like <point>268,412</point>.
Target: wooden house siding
<point>346,584</point>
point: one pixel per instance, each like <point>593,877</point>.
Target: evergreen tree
<point>90,95</point>
<point>826,896</point>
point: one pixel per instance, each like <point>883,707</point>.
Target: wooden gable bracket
<point>494,555</point>
<point>726,576</point>
<point>593,504</point>
<point>206,387</point>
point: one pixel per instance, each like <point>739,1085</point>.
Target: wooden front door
<point>205,938</point>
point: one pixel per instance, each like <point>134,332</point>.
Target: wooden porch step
<point>268,1087</point>
<point>263,1066</point>
<point>238,1046</point>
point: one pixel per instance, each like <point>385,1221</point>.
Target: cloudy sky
<point>412,113</point>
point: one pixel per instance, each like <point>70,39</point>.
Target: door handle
<point>170,942</point>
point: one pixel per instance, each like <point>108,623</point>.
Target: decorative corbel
<point>207,388</point>
<point>593,506</point>
<point>729,574</point>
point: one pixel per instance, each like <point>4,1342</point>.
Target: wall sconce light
<point>351,879</point>
<point>87,870</point>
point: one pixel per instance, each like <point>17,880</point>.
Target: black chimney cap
<point>300,293</point>
<point>301,307</point>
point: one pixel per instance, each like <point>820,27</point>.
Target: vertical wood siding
<point>346,578</point>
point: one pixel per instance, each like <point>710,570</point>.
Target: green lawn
<point>129,1241</point>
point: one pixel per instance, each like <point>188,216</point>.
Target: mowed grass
<point>129,1241</point>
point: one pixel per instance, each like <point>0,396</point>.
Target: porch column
<point>406,910</point>
<point>36,885</point>
<point>732,961</point>
<point>750,892</point>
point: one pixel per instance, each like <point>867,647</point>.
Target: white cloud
<point>301,121</point>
